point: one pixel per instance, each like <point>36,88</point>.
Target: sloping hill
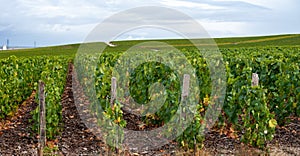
<point>234,42</point>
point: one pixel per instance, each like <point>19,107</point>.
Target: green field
<point>235,42</point>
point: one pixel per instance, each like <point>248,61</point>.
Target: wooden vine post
<point>42,125</point>
<point>184,95</point>
<point>185,88</point>
<point>255,79</point>
<point>113,91</point>
<point>112,102</point>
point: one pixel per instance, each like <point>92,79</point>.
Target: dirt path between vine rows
<point>17,138</point>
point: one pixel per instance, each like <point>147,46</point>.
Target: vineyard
<point>251,115</point>
<point>20,77</point>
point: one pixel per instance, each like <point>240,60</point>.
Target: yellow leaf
<point>202,110</point>
<point>206,100</point>
<point>272,123</point>
<point>295,105</point>
<point>182,143</point>
<point>118,120</point>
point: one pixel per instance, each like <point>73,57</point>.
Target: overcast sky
<point>53,22</point>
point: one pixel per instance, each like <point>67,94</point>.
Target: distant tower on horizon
<point>7,43</point>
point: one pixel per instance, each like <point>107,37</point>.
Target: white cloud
<point>179,3</point>
<point>67,9</point>
<point>264,3</point>
<point>217,28</point>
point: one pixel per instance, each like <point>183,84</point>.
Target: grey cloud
<point>233,11</point>
<point>25,20</point>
